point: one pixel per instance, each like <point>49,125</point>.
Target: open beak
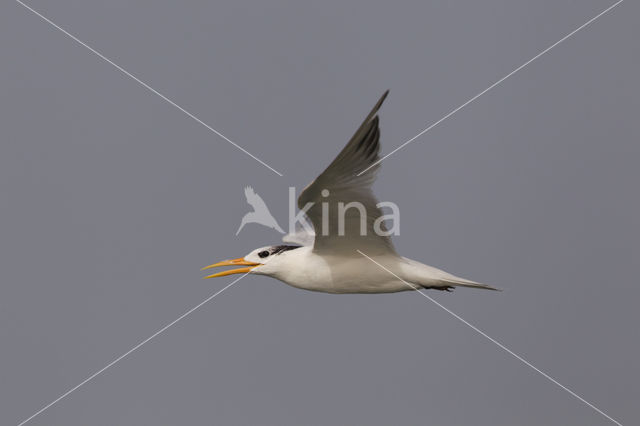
<point>232,262</point>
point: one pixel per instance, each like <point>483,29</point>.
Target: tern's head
<point>263,260</point>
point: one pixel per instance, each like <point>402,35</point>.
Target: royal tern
<point>352,256</point>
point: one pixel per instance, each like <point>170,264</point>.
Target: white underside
<point>302,268</point>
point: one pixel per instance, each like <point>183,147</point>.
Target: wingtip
<point>375,109</point>
<point>382,98</point>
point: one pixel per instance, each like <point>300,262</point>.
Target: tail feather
<point>433,278</point>
<point>467,283</point>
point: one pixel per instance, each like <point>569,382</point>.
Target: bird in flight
<point>260,213</point>
<point>346,253</point>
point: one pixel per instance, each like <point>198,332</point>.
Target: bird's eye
<point>263,253</point>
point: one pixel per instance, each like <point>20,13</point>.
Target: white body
<point>305,269</point>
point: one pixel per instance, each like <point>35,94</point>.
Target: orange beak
<point>232,262</point>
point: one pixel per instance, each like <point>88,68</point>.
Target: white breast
<point>305,269</point>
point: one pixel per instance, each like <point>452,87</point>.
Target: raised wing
<point>346,227</point>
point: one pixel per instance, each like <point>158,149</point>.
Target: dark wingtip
<point>382,98</point>
<point>375,109</point>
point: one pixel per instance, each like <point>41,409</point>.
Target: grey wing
<point>344,229</point>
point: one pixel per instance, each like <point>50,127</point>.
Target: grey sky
<point>112,200</point>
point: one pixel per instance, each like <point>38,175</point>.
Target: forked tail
<point>453,282</point>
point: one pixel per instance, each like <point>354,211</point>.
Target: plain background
<point>112,199</point>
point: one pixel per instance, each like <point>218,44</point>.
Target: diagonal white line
<point>493,85</point>
<point>500,345</point>
<point>91,377</point>
<point>145,85</point>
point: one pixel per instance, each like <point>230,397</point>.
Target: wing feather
<point>341,179</point>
